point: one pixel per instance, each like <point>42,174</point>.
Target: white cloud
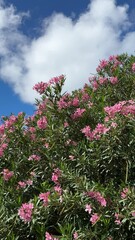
<point>65,46</point>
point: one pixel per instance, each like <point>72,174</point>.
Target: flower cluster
<point>23,184</point>
<point>96,133</point>
<point>123,107</point>
<point>94,218</point>
<point>25,212</point>
<point>10,122</point>
<point>7,174</point>
<point>113,61</point>
<point>78,113</point>
<point>98,197</point>
<point>34,157</point>
<point>44,197</point>
<point>63,102</point>
<point>42,122</point>
<point>96,82</point>
<point>42,87</point>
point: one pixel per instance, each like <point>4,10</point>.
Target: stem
<point>126,173</point>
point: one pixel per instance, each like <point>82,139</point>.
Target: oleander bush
<point>68,171</point>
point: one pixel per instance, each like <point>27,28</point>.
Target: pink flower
<point>133,213</point>
<point>129,109</point>
<point>88,208</point>
<point>97,196</point>
<point>46,145</point>
<point>58,189</point>
<point>41,87</point>
<point>86,130</point>
<point>111,111</point>
<point>21,184</point>
<point>66,124</point>
<point>20,114</point>
<point>49,237</point>
<point>57,171</point>
<point>56,80</point>
<point>7,174</point>
<point>55,175</point>
<point>100,128</point>
<point>10,121</point>
<point>75,235</point>
<point>113,80</point>
<point>32,129</point>
<point>42,123</point>
<point>64,102</point>
<point>133,67</point>
<point>44,197</point>
<point>42,105</point>
<point>96,133</point>
<point>29,182</point>
<point>95,85</point>
<point>85,97</point>
<point>33,137</point>
<point>102,201</point>
<point>102,80</point>
<point>75,102</point>
<point>124,193</point>
<point>117,63</point>
<point>122,107</point>
<point>2,129</point>
<point>113,58</point>
<point>117,219</point>
<point>106,119</point>
<point>94,218</point>
<point>4,146</point>
<point>78,113</point>
<point>103,63</point>
<point>34,157</point>
<point>25,212</point>
<point>71,157</point>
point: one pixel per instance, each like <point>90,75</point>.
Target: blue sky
<point>45,38</point>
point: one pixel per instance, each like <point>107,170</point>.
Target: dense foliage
<point>68,171</point>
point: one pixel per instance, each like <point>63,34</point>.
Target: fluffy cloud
<point>65,46</point>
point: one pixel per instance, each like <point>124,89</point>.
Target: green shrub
<point>68,171</point>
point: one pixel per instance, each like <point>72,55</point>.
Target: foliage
<point>68,171</point>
